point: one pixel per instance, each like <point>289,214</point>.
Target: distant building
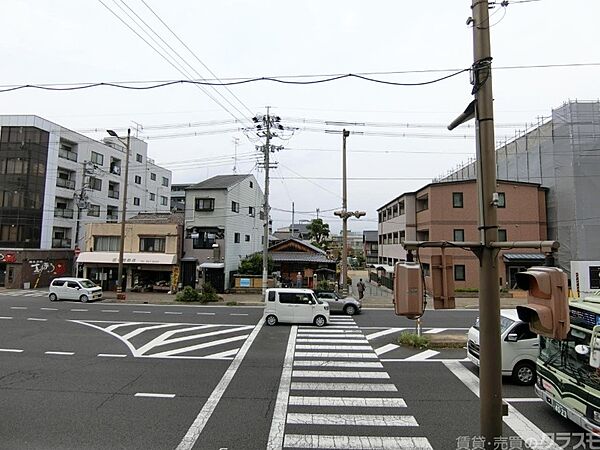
<point>294,231</point>
<point>370,247</point>
<point>178,197</point>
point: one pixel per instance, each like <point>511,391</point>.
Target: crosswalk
<point>175,340</point>
<point>23,293</point>
<point>335,393</point>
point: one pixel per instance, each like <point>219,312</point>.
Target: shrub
<point>232,303</point>
<point>413,340</point>
<point>189,294</point>
<point>324,285</point>
<point>209,294</point>
<point>466,290</point>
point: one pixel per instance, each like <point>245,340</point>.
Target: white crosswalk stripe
<point>23,293</point>
<point>175,340</point>
<point>339,361</point>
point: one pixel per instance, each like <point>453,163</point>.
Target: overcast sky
<point>63,41</point>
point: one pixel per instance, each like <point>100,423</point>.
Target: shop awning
<point>386,267</point>
<point>212,265</point>
<point>128,258</point>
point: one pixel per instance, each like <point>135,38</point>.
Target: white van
<point>67,288</point>
<point>295,306</point>
<point>520,347</point>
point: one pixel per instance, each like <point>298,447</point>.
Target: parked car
<point>347,305</point>
<point>80,289</point>
<point>520,347</point>
<point>294,306</point>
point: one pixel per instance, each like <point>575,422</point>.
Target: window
<point>459,272</point>
<point>457,200</point>
<point>202,239</point>
<point>501,200</point>
<point>247,238</point>
<point>295,299</point>
<point>395,211</point>
<point>152,197</point>
<point>93,210</point>
<point>235,207</point>
<point>204,204</point>
<point>402,237</point>
<point>115,166</point>
<point>422,203</point>
<point>138,179</point>
<point>165,181</point>
<point>106,243</point>
<point>502,235</point>
<point>112,213</point>
<point>66,151</point>
<point>164,201</point>
<point>380,217</point>
<point>459,235</point>
<point>395,237</point>
<point>138,158</point>
<point>261,215</point>
<point>152,176</point>
<point>152,244</point>
<point>594,277</point>
<point>401,208</point>
<point>236,238</point>
<point>113,189</point>
<point>95,183</point>
<point>251,185</point>
<point>251,211</point>
<point>136,201</point>
<point>271,296</point>
<point>97,158</point>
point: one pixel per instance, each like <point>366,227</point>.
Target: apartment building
<point>224,223</point>
<point>448,212</point>
<point>53,181</point>
<point>370,247</point>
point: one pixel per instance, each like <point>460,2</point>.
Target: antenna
<point>138,127</point>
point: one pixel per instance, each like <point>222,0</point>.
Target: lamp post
<point>120,294</point>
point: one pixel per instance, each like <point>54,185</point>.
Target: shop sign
<point>8,257</point>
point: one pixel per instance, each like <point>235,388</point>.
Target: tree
<point>253,265</point>
<point>318,231</point>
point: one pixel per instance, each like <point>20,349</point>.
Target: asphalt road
<point>96,375</point>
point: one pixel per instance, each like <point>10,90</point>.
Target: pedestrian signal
<point>408,290</point>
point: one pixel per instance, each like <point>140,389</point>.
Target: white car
<point>295,306</point>
<point>81,289</point>
<point>520,347</point>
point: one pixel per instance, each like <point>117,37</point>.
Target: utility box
<point>408,290</point>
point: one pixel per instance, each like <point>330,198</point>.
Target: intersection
<point>145,376</point>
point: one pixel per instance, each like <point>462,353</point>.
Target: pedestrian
<point>299,280</point>
<point>360,286</point>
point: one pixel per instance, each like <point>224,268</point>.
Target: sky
<point>398,141</point>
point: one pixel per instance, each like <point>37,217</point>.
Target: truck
<point>568,374</point>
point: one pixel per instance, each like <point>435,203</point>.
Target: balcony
<point>112,219</point>
<point>63,212</point>
<point>113,194</point>
<point>61,243</point>
<point>66,154</point>
<point>65,183</point>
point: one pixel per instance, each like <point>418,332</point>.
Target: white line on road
<point>424,360</point>
<point>333,347</point>
<point>434,331</point>
<point>150,394</point>
<point>11,350</point>
<point>49,309</point>
<point>142,312</point>
<point>173,312</point>
<point>359,402</point>
<point>331,335</point>
<point>178,351</point>
<point>199,423</point>
<point>276,433</point>
<point>5,318</point>
<point>60,353</point>
<point>353,364</point>
<point>355,442</point>
<point>109,310</point>
<point>328,355</point>
<point>526,430</point>
<point>333,341</point>
<point>422,356</point>
<point>386,348</point>
<point>338,374</point>
<point>374,420</point>
<point>238,314</point>
<point>37,319</point>
<point>79,310</point>
<point>223,355</point>
<point>321,331</point>
<point>112,355</point>
<point>384,333</point>
<point>206,314</point>
<point>523,400</point>
<point>357,387</point>
<point>18,307</point>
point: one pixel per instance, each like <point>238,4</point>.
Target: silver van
<point>81,289</point>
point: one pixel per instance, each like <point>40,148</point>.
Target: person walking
<point>299,280</point>
<point>360,287</point>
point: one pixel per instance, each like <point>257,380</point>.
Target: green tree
<point>253,265</point>
<point>318,231</point>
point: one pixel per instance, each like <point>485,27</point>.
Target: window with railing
<point>66,151</point>
<point>97,158</point>
<point>64,180</point>
<point>61,237</point>
<point>113,189</point>
<point>112,214</point>
<point>65,213</point>
<point>93,210</point>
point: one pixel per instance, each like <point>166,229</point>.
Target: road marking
<point>321,331</point>
<point>18,307</point>
<point>359,402</point>
<point>206,314</point>
<point>223,355</point>
<point>142,312</point>
<point>138,330</point>
<point>11,350</point>
<point>355,442</point>
<point>5,318</point>
<point>37,319</point>
<point>178,351</point>
<point>173,312</point>
<point>79,310</point>
<point>60,353</point>
<point>357,387</point>
<point>338,374</point>
<point>422,356</point>
<point>199,423</point>
<point>331,335</point>
<point>424,360</point>
<point>523,400</point>
<point>109,310</point>
<point>150,394</point>
<point>434,331</point>
<point>384,333</point>
<point>332,347</point>
<point>386,348</point>
<point>334,341</point>
<point>374,420</point>
<point>353,364</point>
<point>276,434</point>
<point>49,309</point>
<point>335,355</point>
<point>526,430</point>
<point>238,314</point>
<point>348,327</point>
<point>112,355</point>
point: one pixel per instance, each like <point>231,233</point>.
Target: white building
<point>224,223</point>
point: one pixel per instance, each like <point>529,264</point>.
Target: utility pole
<point>236,142</point>
<point>266,206</point>
<point>81,202</point>
<point>292,230</point>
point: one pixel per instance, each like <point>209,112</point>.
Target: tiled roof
<point>219,182</point>
<point>300,257</point>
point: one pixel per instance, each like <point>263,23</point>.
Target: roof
<point>219,182</point>
<point>300,257</point>
<point>537,257</point>
<point>306,244</point>
<point>157,218</point>
<point>370,236</point>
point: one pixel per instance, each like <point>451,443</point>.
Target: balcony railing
<point>71,156</point>
<point>112,219</point>
<point>61,243</point>
<point>63,212</point>
<point>69,184</point>
<point>113,194</point>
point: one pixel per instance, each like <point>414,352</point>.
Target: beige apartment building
<point>448,211</point>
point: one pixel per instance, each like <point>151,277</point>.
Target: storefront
<point>27,268</point>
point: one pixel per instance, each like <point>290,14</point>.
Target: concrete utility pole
<point>266,205</point>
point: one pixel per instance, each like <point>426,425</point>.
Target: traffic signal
<point>408,290</point>
<point>440,284</point>
<point>547,309</point>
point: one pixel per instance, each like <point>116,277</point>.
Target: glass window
<point>152,244</point>
<point>95,184</point>
<point>136,201</point>
<point>152,197</point>
<point>138,158</point>
<point>459,272</point>
<point>97,158</point>
<point>251,211</point>
<point>271,296</point>
<point>164,201</point>
<point>204,204</point>
<point>93,210</point>
<point>202,239</point>
<point>106,243</point>
<point>459,235</point>
<point>165,181</point>
<point>502,235</point>
<point>457,200</point>
<point>501,200</point>
<point>247,238</point>
<point>138,179</point>
<point>235,207</point>
<point>152,176</point>
<point>236,238</point>
<point>251,185</point>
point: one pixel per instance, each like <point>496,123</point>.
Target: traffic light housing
<point>408,290</point>
<point>440,284</point>
<point>547,309</point>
